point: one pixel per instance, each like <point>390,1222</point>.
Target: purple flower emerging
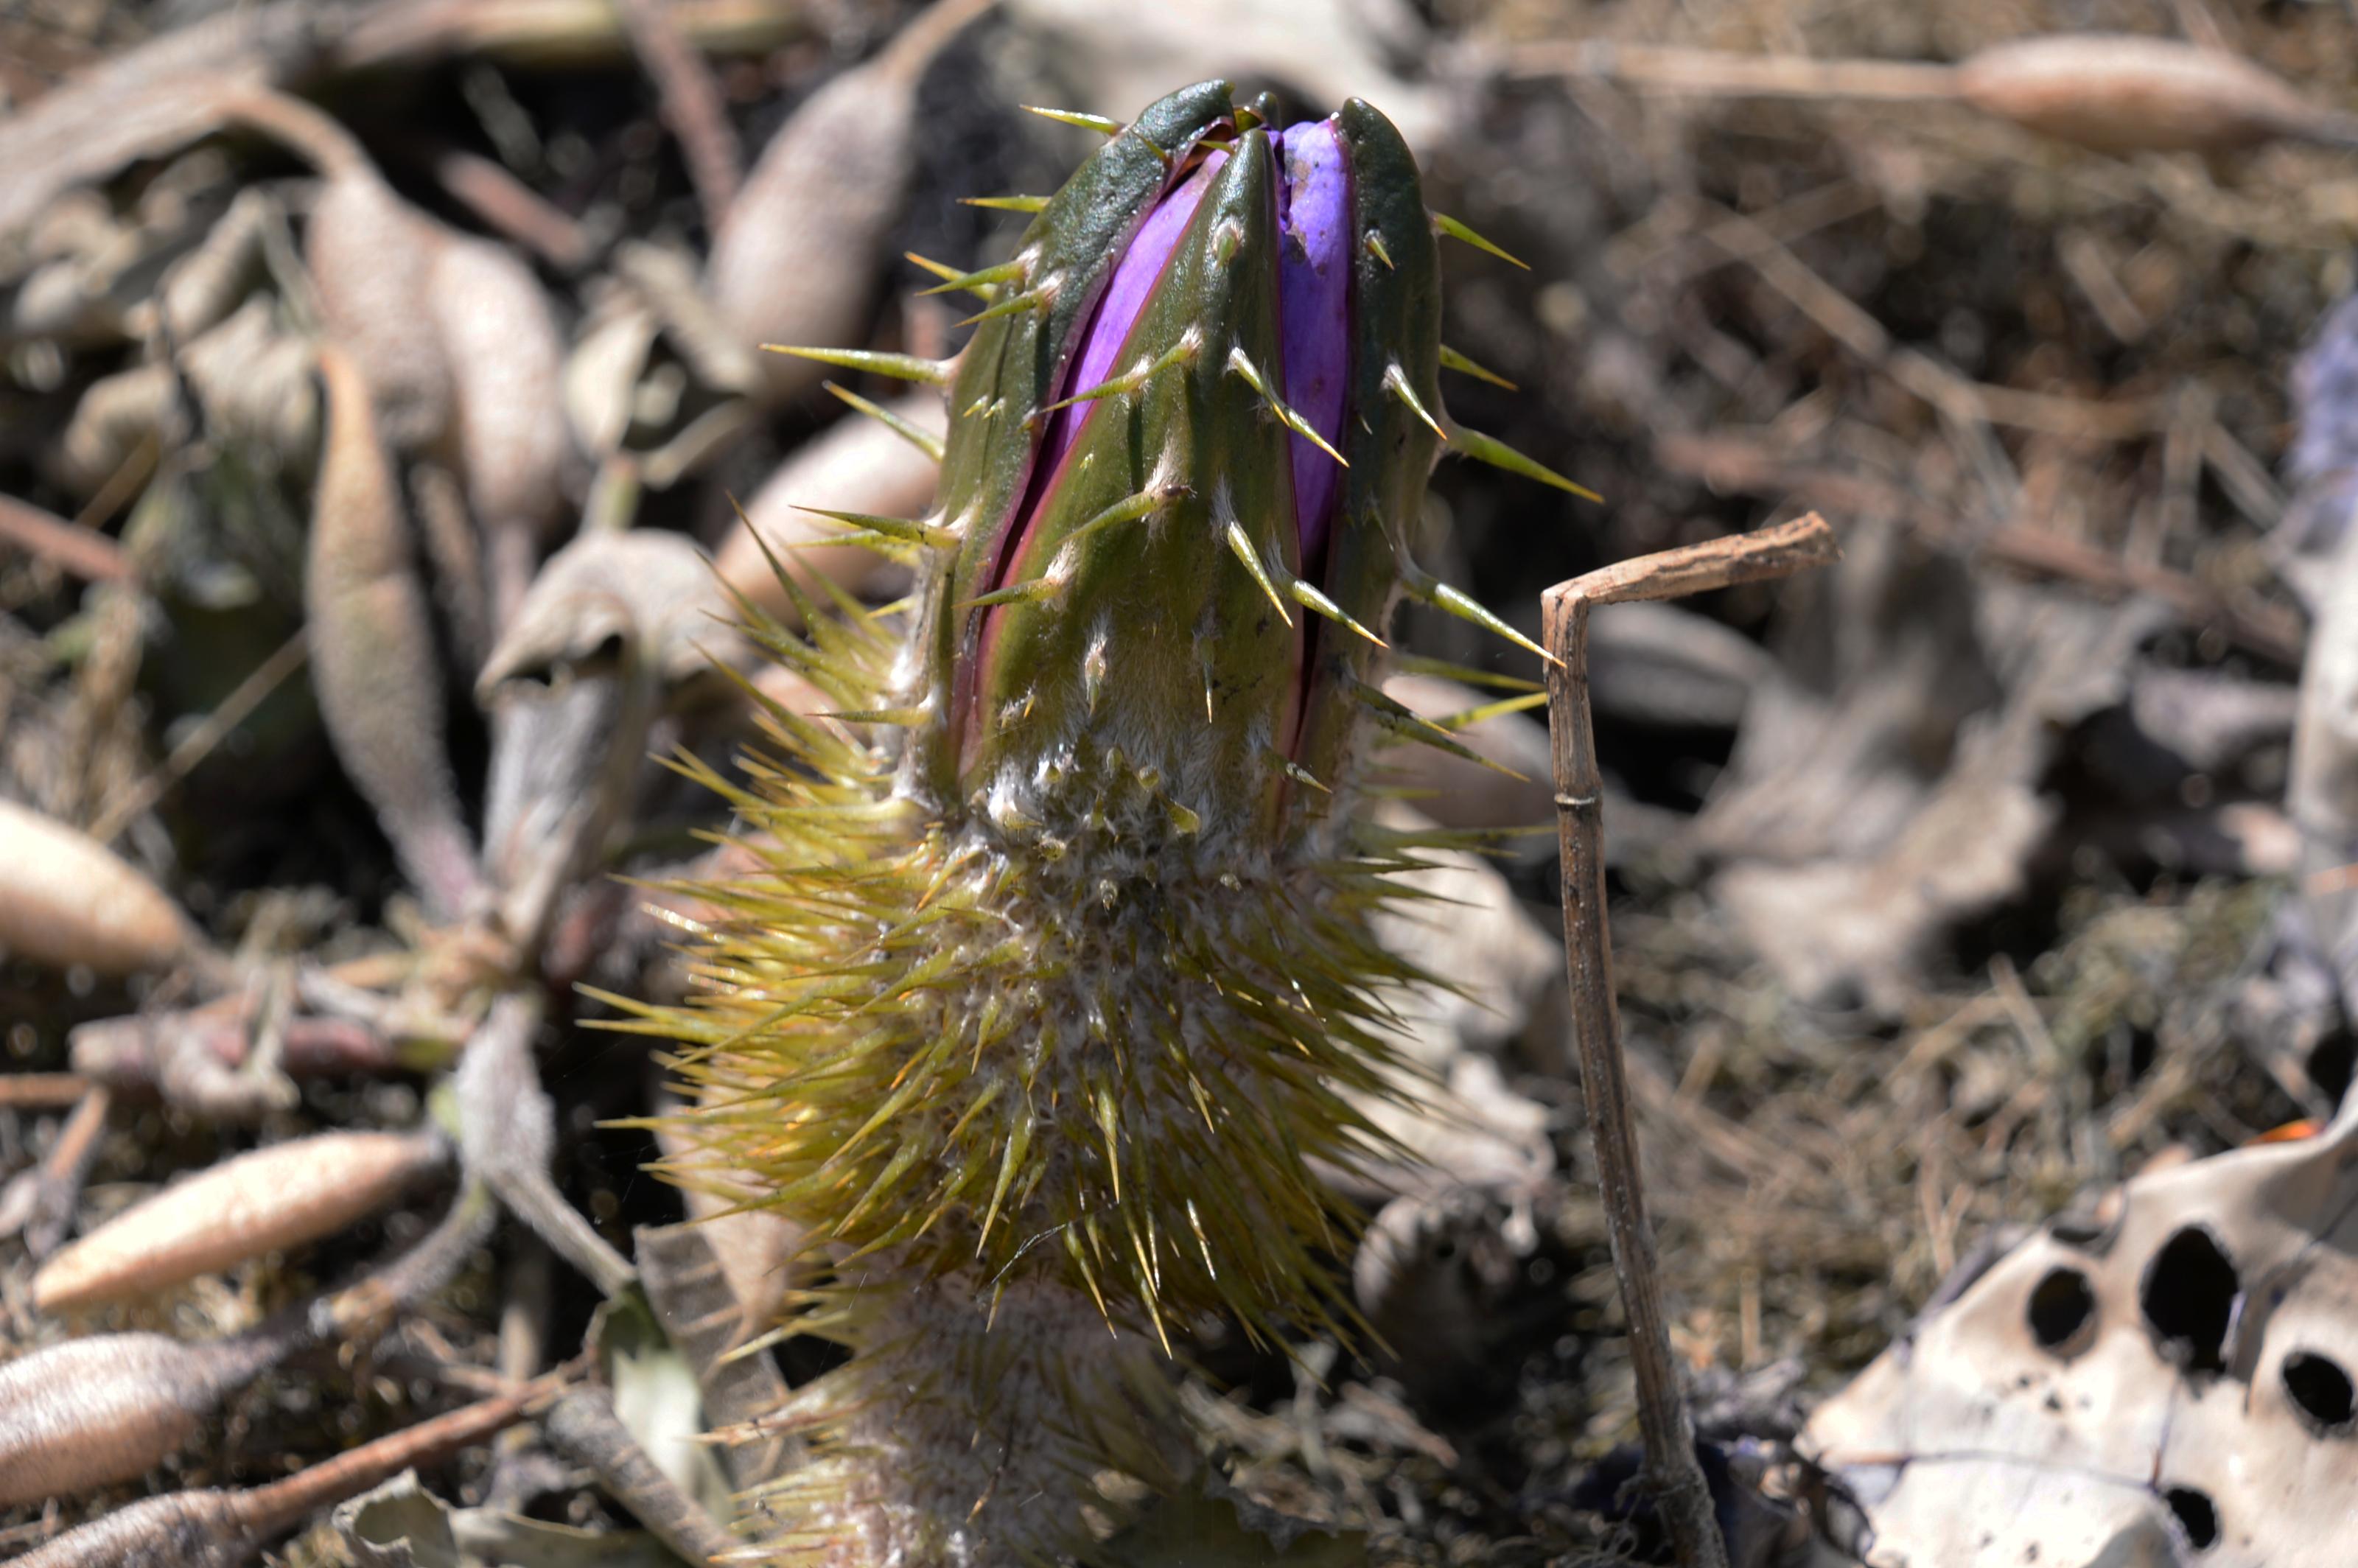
<point>1314,310</point>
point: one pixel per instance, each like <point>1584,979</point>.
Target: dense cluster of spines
<point>1058,982</point>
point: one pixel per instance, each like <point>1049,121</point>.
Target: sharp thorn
<point>1498,454</point>
<point>909,530</point>
<point>980,282</point>
<point>1452,360</point>
<point>1445,225</point>
<point>1097,123</point>
<point>1295,770</point>
<point>1128,509</point>
<point>1311,599</point>
<point>1467,718</point>
<point>1423,585</point>
<point>1401,722</point>
<point>1465,675</point>
<point>1005,204</point>
<point>1243,546</point>
<point>925,442</point>
<point>1032,301</point>
<point>1177,355</point>
<point>928,263</point>
<point>1376,249</point>
<point>902,717</point>
<point>903,367</point>
<point>1030,591</point>
<point>1396,383</point>
<point>1241,363</point>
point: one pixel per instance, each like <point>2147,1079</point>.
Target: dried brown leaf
<point>89,1411</point>
<point>66,899</point>
<point>374,660</point>
<point>2122,95</point>
<point>796,259</point>
<point>259,1202</point>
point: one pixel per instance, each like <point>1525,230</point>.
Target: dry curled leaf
<point>507,366</point>
<point>613,627</point>
<point>372,655</point>
<point>67,899</point>
<point>257,1202</point>
<point>2122,95</point>
<point>796,260</point>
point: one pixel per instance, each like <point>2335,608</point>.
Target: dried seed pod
<point>373,658</point>
<point>89,1411</point>
<point>259,1202</point>
<point>371,259</point>
<point>179,1529</point>
<point>507,366</point>
<point>857,465</point>
<point>2121,95</point>
<point>112,420</point>
<point>453,333</point>
<point>796,260</point>
<point>67,899</point>
<point>613,625</point>
<point>221,1528</point>
<point>454,552</point>
<point>253,382</point>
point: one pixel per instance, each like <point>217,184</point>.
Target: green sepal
<point>1395,337</point>
<point>1014,365</point>
<point>1207,654</point>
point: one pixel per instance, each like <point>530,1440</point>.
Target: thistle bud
<point>1181,442</point>
<point>1057,983</point>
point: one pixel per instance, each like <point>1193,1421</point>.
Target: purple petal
<point>1141,267</point>
<point>1314,303</point>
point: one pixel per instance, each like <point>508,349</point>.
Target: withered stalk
<point>1670,1467</point>
<point>64,1171</point>
<point>583,1427</point>
<point>85,552</point>
<point>199,743</point>
<point>42,1091</point>
<point>691,105</point>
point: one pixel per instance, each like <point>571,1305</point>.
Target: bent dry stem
<point>1670,1468</point>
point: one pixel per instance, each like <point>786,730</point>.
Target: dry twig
<point>1597,1028</point>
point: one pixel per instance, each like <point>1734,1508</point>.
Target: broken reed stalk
<point>1685,1500</point>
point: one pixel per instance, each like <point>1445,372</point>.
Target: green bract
<point>1147,602</point>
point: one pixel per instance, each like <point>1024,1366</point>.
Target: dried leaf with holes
<point>67,899</point>
<point>259,1202</point>
<point>2170,1376</point>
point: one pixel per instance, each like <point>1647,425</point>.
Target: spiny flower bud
<point>1057,981</point>
<point>1184,562</point>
